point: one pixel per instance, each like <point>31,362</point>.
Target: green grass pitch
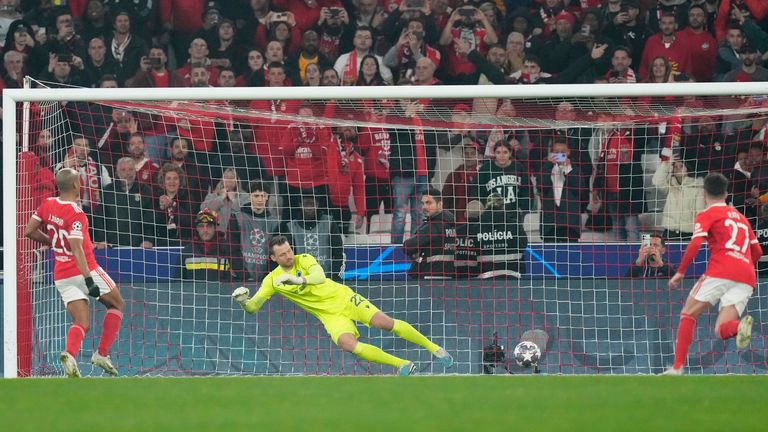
<point>366,404</point>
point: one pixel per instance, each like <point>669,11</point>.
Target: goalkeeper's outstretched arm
<point>252,305</point>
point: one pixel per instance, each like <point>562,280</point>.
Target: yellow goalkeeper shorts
<point>357,308</point>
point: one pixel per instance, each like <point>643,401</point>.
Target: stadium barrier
<point>594,326</point>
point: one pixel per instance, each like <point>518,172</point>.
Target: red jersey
<point>374,143</point>
<point>458,65</point>
<point>63,220</point>
<point>703,49</point>
<point>677,52</point>
<point>730,237</point>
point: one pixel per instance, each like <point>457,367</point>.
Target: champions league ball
<point>527,354</point>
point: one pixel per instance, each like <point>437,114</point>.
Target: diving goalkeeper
<point>300,279</point>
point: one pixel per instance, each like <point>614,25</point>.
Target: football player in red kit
<point>730,276</point>
<point>61,224</point>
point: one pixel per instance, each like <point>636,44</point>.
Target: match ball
<point>527,354</point>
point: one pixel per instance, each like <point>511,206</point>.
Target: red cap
<point>566,16</point>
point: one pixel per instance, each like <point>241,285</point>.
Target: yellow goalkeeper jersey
<point>328,297</point>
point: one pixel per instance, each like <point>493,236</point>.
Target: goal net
<point>483,216</point>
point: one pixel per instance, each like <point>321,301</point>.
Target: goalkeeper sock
<point>407,332</point>
<point>684,339</point>
<point>728,329</point>
<point>75,337</point>
<point>109,330</point>
<point>376,355</point>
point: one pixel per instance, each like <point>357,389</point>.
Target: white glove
<point>240,295</point>
<point>287,279</point>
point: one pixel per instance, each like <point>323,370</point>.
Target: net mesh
<point>547,207</point>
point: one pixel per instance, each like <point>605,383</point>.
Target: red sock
<point>75,337</point>
<point>728,329</point>
<point>684,339</point>
<point>109,330</point>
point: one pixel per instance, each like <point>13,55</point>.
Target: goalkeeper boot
<point>444,358</point>
<point>70,365</point>
<point>744,334</point>
<point>407,369</point>
<point>103,362</point>
<point>673,371</point>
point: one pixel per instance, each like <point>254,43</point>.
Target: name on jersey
<point>55,219</point>
<point>504,180</point>
<point>496,235</point>
<point>738,256</point>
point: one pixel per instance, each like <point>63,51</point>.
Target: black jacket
<point>125,217</point>
<point>568,213</point>
<point>402,161</point>
<point>216,261</point>
<point>432,247</point>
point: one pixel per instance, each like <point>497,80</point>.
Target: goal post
<point>532,314</point>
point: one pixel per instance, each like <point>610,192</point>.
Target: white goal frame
<point>11,97</point>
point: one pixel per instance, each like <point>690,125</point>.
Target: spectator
<point>94,177</point>
<point>621,72</point>
<point>558,51</point>
<point>369,14</point>
<point>173,213</point>
<point>60,72</point>
<point>618,182</point>
<point>13,64</point>
<point>515,53</point>
<point>489,69</point>
<point>685,198</point>
<point>330,77</point>
<point>409,49</point>
<point>501,241</point>
<point>668,44</point>
<point>432,246</point>
<point>740,178</point>
<point>42,180</point>
<point>675,8</point>
<point>735,10</point>
<point>348,65</point>
<point>153,71</point>
<point>307,13</point>
<point>211,20</point>
<point>95,22</point>
<point>66,41</point>
<point>198,56</point>
<point>145,169</point>
<point>370,72</point>
<point>197,177</point>
<point>424,72</point>
<point>458,183</point>
<point>226,77</point>
<point>226,199</point>
<point>411,166</point>
<point>226,51</point>
<point>333,27</point>
<point>255,71</point>
<point>660,71</point>
<point>729,53</point>
<point>312,75</point>
<point>126,216</point>
<point>256,225</point>
<point>375,145</point>
<point>20,39</point>
<point>307,151</point>
<point>125,48</point>
<point>180,20</point>
<point>627,28</point>
<point>346,180</point>
<point>701,44</point>
<point>282,29</point>
<point>232,153</point>
<point>97,64</point>
<point>506,177</point>
<point>308,54</point>
<point>470,25</point>
<point>209,256</point>
<point>317,235</point>
<point>563,192</point>
<point>755,34</point>
<point>531,73</point>
<point>650,260</point>
<point>749,71</point>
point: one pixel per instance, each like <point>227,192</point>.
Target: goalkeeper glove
<point>240,295</point>
<point>93,289</point>
<point>289,280</point>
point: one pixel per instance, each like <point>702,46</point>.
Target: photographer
<point>467,24</point>
<point>650,259</point>
<point>409,49</point>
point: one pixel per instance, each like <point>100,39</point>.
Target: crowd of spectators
<point>224,186</point>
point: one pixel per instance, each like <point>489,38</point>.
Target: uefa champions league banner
<point>592,326</point>
<point>390,263</point>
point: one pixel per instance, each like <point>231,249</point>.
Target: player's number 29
<point>735,228</point>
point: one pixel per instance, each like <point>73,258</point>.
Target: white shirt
<point>559,172</point>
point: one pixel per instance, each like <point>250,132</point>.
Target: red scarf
<point>350,70</point>
<point>89,174</point>
<point>420,148</point>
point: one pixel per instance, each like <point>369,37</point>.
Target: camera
<point>682,77</point>
<point>559,157</point>
<point>154,61</point>
<point>467,12</point>
<point>334,12</point>
<point>585,30</point>
<point>419,35</point>
<point>281,16</point>
<point>64,58</point>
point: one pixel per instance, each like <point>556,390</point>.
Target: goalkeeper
<point>300,279</point>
